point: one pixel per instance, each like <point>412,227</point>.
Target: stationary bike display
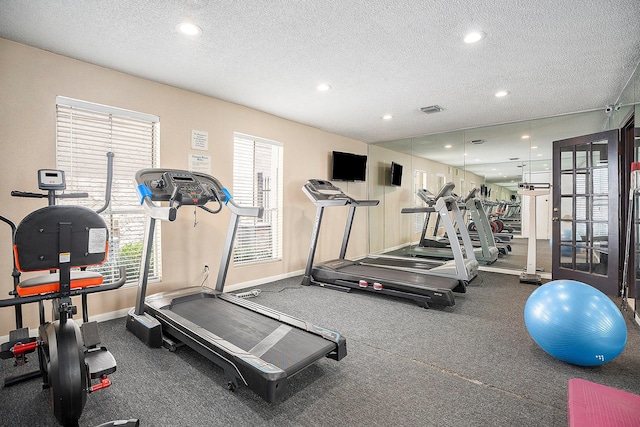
<point>58,239</point>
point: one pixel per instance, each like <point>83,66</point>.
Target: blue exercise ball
<point>575,323</point>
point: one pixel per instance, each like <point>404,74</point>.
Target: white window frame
<point>258,181</point>
<point>85,132</point>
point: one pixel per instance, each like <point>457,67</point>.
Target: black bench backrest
<point>37,238</point>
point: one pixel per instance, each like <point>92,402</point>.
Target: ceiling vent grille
<point>431,109</point>
<point>477,141</point>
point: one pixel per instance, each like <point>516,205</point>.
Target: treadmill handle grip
<point>163,213</point>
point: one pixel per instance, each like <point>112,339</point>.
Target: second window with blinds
<point>257,181</point>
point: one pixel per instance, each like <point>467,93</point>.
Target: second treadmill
<point>343,274</point>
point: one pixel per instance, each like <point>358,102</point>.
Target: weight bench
<point>595,405</point>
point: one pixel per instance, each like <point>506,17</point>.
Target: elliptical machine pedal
<point>100,362</point>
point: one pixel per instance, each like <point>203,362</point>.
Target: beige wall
<point>30,81</point>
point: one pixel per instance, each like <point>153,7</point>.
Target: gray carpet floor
<point>472,364</point>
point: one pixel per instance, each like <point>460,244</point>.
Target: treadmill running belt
<point>407,278</point>
<point>286,347</point>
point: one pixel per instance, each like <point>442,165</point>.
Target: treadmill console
<point>445,191</point>
<point>426,196</point>
<point>180,187</point>
<point>472,194</point>
<point>186,189</point>
<point>319,190</point>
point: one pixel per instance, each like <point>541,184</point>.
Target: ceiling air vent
<point>477,141</point>
<point>431,109</point>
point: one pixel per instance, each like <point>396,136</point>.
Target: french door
<point>585,230</point>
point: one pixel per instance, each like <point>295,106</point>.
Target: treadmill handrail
<point>419,209</point>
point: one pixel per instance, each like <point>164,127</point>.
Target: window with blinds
<point>257,181</point>
<point>85,132</point>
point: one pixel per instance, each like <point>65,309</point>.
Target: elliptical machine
<point>58,239</point>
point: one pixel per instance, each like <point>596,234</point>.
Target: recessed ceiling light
<point>448,146</point>
<point>474,36</point>
<point>525,137</point>
<point>323,87</point>
<point>387,117</point>
<point>534,147</point>
<point>189,29</point>
<point>501,93</point>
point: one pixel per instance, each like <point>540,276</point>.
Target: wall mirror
<point>497,156</point>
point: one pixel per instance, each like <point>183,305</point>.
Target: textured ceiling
<point>380,57</point>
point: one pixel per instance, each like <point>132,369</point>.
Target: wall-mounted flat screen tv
<point>348,167</point>
<point>396,174</point>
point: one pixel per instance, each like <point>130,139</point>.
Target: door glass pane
<point>600,259</point>
<point>600,209</point>
<point>566,208</point>
<point>566,256</point>
<point>582,259</point>
<point>566,183</point>
<point>581,232</point>
<point>600,156</point>
<point>581,208</point>
<point>581,156</point>
<point>600,181</point>
<point>566,158</point>
<point>581,181</point>
<point>566,235</point>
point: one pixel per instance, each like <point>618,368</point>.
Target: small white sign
<point>200,163</point>
<point>199,140</point>
<point>97,240</point>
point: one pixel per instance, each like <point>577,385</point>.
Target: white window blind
<point>85,132</point>
<point>257,181</point>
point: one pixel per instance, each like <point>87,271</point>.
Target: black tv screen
<point>348,167</point>
<point>396,174</point>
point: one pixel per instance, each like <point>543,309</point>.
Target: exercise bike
<point>58,239</point>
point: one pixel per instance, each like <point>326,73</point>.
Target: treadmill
<point>448,247</point>
<point>255,345</point>
<point>345,275</point>
<point>456,264</point>
<point>485,248</point>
